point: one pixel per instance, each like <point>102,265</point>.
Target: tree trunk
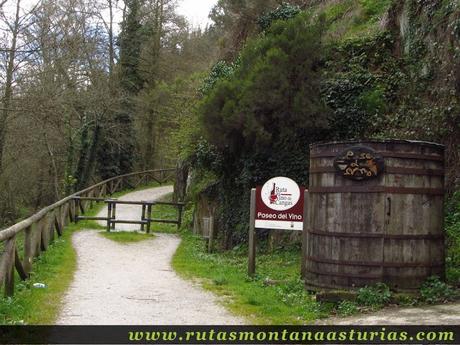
<point>111,45</point>
<point>83,156</point>
<point>91,160</point>
<point>8,85</point>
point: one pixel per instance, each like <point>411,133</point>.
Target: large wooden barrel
<point>374,214</point>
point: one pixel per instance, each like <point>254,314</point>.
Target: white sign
<point>279,205</point>
<point>280,193</point>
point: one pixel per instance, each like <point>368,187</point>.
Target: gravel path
<point>134,284</point>
<point>134,212</point>
<point>448,314</point>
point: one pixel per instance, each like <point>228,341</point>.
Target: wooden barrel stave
<point>391,233</point>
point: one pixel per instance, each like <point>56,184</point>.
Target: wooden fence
<point>145,217</point>
<point>38,231</point>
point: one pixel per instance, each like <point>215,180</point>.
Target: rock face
<point>427,35</point>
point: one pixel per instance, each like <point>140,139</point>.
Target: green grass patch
<point>127,237</point>
<point>275,296</point>
<point>165,212</point>
<point>352,19</point>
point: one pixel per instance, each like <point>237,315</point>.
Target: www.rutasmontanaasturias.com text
<point>351,335</point>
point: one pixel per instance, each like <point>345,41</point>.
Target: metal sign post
<point>252,235</point>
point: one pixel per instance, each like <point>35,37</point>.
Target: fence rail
<point>40,229</point>
<point>146,215</point>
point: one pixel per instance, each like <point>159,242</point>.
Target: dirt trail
<point>448,314</point>
<point>134,284</point>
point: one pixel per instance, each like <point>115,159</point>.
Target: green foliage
<point>207,157</point>
<point>264,101</point>
<point>374,8</point>
<point>222,70</point>
<point>352,19</point>
<point>130,48</point>
<point>283,12</point>
<point>185,129</point>
<point>435,291</point>
<point>338,9</point>
<point>354,88</point>
<point>347,308</point>
<point>425,104</point>
<point>118,158</point>
<point>374,296</point>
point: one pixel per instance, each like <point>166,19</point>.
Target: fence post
<point>76,209</point>
<point>179,220</point>
<point>144,208</point>
<point>9,258</point>
<point>28,249</point>
<point>109,214</point>
<point>149,219</point>
<point>304,235</point>
<point>211,234</point>
<point>81,205</point>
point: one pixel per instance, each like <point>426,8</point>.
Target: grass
<point>351,19</point>
<point>127,237</point>
<point>275,296</point>
<point>167,213</point>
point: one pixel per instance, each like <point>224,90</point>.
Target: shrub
<point>453,239</point>
<point>347,308</point>
<point>283,12</point>
<point>374,296</point>
<point>436,291</point>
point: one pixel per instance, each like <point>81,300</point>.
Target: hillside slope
<point>394,69</point>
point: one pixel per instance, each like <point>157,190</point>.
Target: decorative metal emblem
<point>359,163</point>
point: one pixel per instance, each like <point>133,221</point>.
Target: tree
<point>236,21</point>
<point>14,29</point>
<point>117,154</point>
<point>265,100</point>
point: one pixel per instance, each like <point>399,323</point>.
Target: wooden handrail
<point>18,227</point>
<point>40,228</point>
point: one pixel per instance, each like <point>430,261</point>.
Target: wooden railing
<point>145,217</point>
<point>29,238</point>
